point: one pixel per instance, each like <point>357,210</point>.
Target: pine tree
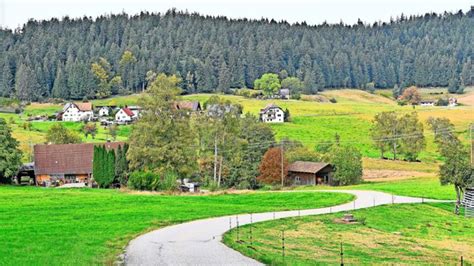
<point>26,85</point>
<point>60,89</point>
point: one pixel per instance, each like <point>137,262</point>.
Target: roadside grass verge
<point>407,234</point>
<point>43,226</point>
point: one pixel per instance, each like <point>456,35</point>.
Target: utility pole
<point>472,140</point>
<point>281,163</point>
<point>215,158</point>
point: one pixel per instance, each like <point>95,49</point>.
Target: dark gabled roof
<point>188,105</point>
<point>307,167</point>
<point>66,158</point>
<point>268,107</point>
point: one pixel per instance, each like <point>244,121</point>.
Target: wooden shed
<point>65,163</point>
<point>310,173</point>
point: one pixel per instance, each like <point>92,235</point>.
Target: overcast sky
<point>14,13</point>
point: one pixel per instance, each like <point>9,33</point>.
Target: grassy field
<point>312,122</point>
<point>318,122</point>
<point>422,234</point>
<point>41,226</point>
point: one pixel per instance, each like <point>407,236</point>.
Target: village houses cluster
<point>110,114</point>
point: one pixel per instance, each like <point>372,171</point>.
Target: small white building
<point>125,115</point>
<point>453,102</point>
<point>427,103</point>
<point>77,112</point>
<point>272,114</point>
<point>104,111</point>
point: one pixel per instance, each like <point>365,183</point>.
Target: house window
<point>297,180</point>
<point>279,115</point>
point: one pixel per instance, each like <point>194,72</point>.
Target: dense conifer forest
<point>88,58</point>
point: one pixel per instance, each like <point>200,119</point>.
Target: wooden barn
<point>57,164</point>
<point>310,173</point>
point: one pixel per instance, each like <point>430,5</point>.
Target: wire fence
<point>289,251</point>
<point>283,244</point>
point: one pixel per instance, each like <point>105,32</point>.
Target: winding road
<point>199,242</point>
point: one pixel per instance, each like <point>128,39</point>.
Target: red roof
<point>128,111</point>
<point>67,158</point>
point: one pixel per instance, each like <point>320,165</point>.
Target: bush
<point>169,182</point>
<point>248,93</point>
<point>144,181</point>
<point>333,100</point>
<point>442,102</point>
<point>153,181</point>
<point>402,102</point>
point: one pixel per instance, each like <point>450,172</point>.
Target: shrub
<point>442,102</point>
<point>168,183</point>
<point>144,181</point>
<point>248,93</point>
<point>152,181</point>
<point>333,100</point>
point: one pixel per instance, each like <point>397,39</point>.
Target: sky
<point>14,13</point>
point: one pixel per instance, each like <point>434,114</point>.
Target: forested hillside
<point>62,58</point>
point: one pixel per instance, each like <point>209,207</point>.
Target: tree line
<point>87,58</point>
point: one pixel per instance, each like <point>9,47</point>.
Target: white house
<point>77,112</point>
<point>104,111</point>
<point>272,114</point>
<point>125,115</point>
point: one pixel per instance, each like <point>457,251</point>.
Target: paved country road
<point>199,242</point>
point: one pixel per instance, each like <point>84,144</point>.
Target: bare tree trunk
<point>458,199</point>
<point>215,159</point>
<point>394,150</point>
<point>220,172</point>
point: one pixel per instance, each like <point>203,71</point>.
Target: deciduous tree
<point>269,83</point>
<point>59,134</point>
<point>271,167</point>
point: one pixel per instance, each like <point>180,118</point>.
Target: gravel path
<point>199,242</point>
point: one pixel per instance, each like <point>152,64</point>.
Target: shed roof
<point>307,167</point>
<point>66,158</point>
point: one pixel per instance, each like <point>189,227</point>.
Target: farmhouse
<point>125,115</point>
<point>272,114</point>
<point>310,173</point>
<point>104,111</point>
<point>65,163</point>
<point>76,112</point>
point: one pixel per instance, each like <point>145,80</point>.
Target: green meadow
<point>48,226</point>
<point>405,234</point>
